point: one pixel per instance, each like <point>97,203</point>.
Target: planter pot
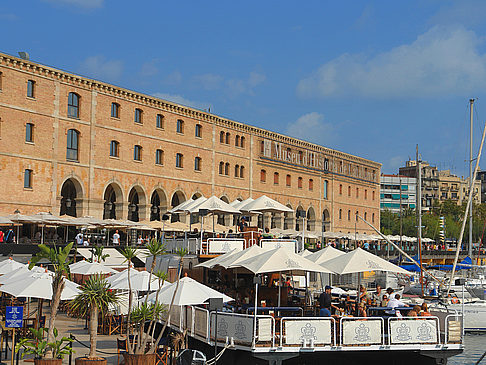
<point>87,361</point>
<point>48,361</point>
<point>139,359</point>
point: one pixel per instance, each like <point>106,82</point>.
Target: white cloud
<point>87,4</point>
<point>179,99</point>
<point>174,78</point>
<point>99,68</point>
<point>245,86</point>
<point>442,61</point>
<point>312,127</point>
<point>209,81</point>
<point>149,69</point>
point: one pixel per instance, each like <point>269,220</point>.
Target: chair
<point>162,356</point>
<point>121,347</point>
<point>115,325</point>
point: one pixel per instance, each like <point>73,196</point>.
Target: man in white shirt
<point>394,303</point>
<point>116,238</point>
<point>79,239</point>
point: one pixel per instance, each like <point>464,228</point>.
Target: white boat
<point>474,313</point>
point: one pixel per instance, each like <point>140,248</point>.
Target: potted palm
<point>39,347</point>
<point>58,257</point>
<point>94,299</point>
<point>141,350</point>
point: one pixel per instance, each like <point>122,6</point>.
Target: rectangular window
<point>29,132</point>
<point>180,126</point>
<point>138,116</point>
<point>115,110</point>
<point>197,163</point>
<point>159,123</point>
<point>179,160</point>
<point>137,153</point>
<point>30,89</point>
<point>288,180</point>
<point>114,148</point>
<point>1,76</point>
<point>159,157</point>
<point>28,179</point>
<point>198,130</point>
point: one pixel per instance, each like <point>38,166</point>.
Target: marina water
<point>474,347</point>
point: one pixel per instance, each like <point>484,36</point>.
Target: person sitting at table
<point>412,313</point>
<point>377,295</point>
<point>384,301</point>
<point>325,303</point>
<point>424,310</point>
<point>394,303</point>
<point>362,310</point>
<point>363,294</point>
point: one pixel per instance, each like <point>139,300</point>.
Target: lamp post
<point>202,213</point>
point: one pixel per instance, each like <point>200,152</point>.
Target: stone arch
<point>311,219</point>
<point>158,204</point>
<point>224,219</point>
<point>71,197</point>
<point>299,213</point>
<point>113,201</point>
<point>177,198</point>
<point>326,220</point>
<point>194,217</point>
<point>289,218</point>
<point>137,204</point>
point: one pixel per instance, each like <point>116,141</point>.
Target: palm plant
<point>59,259</point>
<point>95,297</point>
<point>97,252</point>
<point>129,253</point>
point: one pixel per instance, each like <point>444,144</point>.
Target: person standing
<point>10,237</point>
<point>1,236</point>
<point>116,238</point>
<point>325,302</point>
<point>79,239</point>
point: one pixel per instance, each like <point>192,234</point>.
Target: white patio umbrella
<point>90,268</point>
<point>213,262</point>
<point>9,265</point>
<point>39,285</point>
<point>235,259</point>
<point>237,204</point>
<point>265,204</point>
<point>325,254</point>
<point>19,273</point>
<point>306,253</point>
<point>4,221</point>
<point>139,281</point>
<point>358,261</point>
<point>189,292</point>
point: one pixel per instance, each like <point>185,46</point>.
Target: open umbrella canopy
<point>139,281</point>
<point>214,205</point>
<point>279,260</point>
<point>9,265</point>
<point>189,292</point>
<point>90,268</point>
<point>360,260</point>
<point>265,204</point>
<point>4,221</point>
<point>215,261</point>
<point>85,221</point>
<point>241,256</point>
<point>306,253</point>
<point>49,219</point>
<point>181,208</point>
<point>325,254</point>
<point>237,204</point>
<point>19,273</point>
<point>38,285</point>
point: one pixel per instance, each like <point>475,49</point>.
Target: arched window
<point>179,160</point>
<point>180,126</point>
<point>237,141</point>
<point>159,121</point>
<point>366,194</point>
<point>373,218</point>
<point>349,190</point>
<point>198,164</point>
<point>237,170</point>
<point>263,176</point>
<point>340,189</point>
<point>73,105</point>
<point>275,178</point>
<point>340,213</point>
<point>373,195</point>
<point>221,168</point>
<point>226,168</point>
<point>288,180</point>
<point>114,148</point>
<point>242,171</point>
<point>357,192</point>
<point>115,110</point>
<point>300,182</point>
<point>356,216</point>
<point>221,137</point>
<point>138,116</point>
<point>311,185</point>
<point>137,152</point>
<point>228,137</point>
<point>72,145</point>
<point>159,157</point>
<point>242,142</point>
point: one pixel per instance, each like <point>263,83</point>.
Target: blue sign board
<point>14,317</point>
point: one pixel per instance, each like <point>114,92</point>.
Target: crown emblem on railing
<point>240,330</point>
<point>308,332</point>
<point>362,333</point>
<point>403,332</point>
<point>222,328</point>
<point>424,332</point>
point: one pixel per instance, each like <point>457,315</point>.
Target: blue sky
<point>368,78</point>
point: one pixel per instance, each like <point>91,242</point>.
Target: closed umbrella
<point>189,292</point>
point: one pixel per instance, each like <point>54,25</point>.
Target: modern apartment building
<point>396,191</point>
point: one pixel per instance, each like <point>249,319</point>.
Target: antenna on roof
<point>24,55</point>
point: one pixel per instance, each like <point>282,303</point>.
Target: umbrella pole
<point>42,234</point>
<point>18,236</point>
<point>255,313</point>
<point>213,224</point>
<point>279,286</point>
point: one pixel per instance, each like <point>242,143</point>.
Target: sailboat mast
<point>471,179</point>
<point>419,221</point>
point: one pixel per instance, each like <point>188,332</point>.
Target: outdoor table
<point>294,310</point>
<point>382,311</point>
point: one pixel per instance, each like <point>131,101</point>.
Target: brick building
<point>76,146</point>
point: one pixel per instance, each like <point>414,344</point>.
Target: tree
<point>59,259</point>
<point>129,253</point>
<point>95,297</point>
